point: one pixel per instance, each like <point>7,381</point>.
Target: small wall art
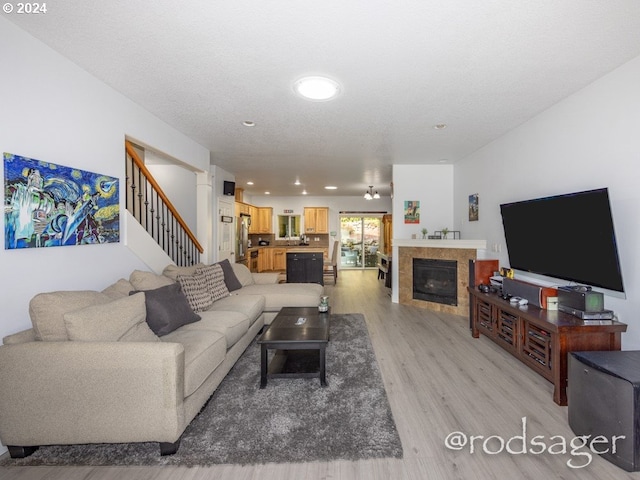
<point>411,211</point>
<point>473,207</point>
<point>48,205</point>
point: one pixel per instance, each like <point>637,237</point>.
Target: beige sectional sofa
<point>137,361</point>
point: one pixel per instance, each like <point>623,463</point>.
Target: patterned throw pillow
<point>215,281</point>
<point>196,289</point>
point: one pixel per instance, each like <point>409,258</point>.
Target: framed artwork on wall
<point>411,211</point>
<point>473,207</point>
<point>49,205</point>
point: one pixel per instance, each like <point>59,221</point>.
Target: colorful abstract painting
<point>411,211</point>
<point>49,205</point>
<point>474,209</point>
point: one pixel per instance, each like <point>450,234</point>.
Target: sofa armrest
<point>20,337</point>
<point>91,392</point>
<point>265,277</point>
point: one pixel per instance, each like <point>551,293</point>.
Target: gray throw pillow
<point>230,278</point>
<point>167,309</point>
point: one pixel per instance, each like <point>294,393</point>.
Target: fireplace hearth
<point>435,281</point>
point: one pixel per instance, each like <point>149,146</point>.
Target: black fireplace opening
<point>435,280</point>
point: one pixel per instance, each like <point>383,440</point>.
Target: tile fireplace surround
<point>459,250</point>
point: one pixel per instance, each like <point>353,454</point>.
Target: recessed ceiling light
<point>267,193</point>
<point>297,182</point>
<point>331,187</point>
<point>440,126</point>
<point>444,160</point>
<point>249,182</point>
<point>318,89</point>
<point>249,123</point>
<point>304,192</point>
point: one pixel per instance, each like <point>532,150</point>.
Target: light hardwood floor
<point>439,380</point>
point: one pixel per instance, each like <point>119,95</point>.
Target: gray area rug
<point>291,420</point>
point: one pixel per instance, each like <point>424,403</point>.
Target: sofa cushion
<point>250,305</point>
<point>172,271</point>
<point>243,274</point>
<point>119,289</point>
<point>202,355</point>
<point>285,294</point>
<point>148,280</point>
<point>233,325</point>
<point>214,275</point>
<point>196,289</point>
<point>47,311</point>
<point>167,309</point>
<point>122,320</point>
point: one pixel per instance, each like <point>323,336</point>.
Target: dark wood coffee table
<point>300,336</point>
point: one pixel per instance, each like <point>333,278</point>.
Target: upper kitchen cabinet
<point>242,208</point>
<point>253,211</point>
<point>263,220</point>
<point>316,220</point>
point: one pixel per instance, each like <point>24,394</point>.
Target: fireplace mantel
<point>470,244</point>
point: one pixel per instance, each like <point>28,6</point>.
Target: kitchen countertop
<point>305,250</point>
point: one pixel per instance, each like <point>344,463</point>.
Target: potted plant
<point>424,233</point>
<point>445,231</point>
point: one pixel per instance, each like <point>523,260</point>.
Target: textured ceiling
<point>480,67</point>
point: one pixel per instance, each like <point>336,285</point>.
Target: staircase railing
<point>150,206</point>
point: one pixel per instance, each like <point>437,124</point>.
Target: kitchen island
<point>305,265</point>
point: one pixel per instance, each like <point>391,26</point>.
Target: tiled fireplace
<point>440,250</point>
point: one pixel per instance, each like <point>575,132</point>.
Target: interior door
<point>226,230</point>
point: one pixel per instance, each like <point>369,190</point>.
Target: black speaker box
<point>581,298</point>
<point>229,188</point>
<point>603,393</point>
<point>535,294</point>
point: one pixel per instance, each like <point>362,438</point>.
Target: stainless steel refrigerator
<point>242,238</point>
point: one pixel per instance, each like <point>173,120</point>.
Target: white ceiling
<point>203,66</point>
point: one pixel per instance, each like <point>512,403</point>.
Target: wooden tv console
<point>541,339</point>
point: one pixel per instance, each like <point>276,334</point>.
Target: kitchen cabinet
<point>253,211</point>
<point>263,220</point>
<point>265,260</point>
<point>387,229</point>
<point>316,220</point>
<point>279,259</point>
<point>261,258</point>
<point>242,207</point>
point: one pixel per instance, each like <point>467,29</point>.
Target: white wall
<point>432,185</point>
<point>589,140</point>
<point>179,184</point>
<point>54,111</point>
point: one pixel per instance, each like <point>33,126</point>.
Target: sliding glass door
<point>359,241</point>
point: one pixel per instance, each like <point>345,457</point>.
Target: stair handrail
<point>154,184</point>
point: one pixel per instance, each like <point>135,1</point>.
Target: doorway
<point>359,240</point>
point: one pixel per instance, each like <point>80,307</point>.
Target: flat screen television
<point>569,237</point>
